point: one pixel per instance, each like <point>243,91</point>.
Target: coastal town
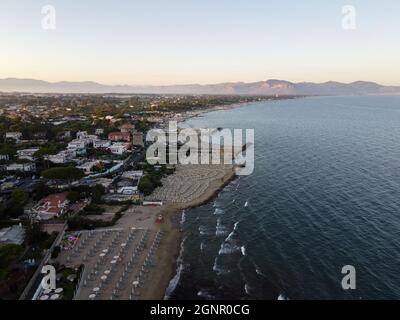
<point>77,193</point>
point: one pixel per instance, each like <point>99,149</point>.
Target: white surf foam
<point>218,211</point>
<point>282,297</point>
<point>228,248</point>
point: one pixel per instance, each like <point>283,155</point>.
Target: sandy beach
<point>210,180</point>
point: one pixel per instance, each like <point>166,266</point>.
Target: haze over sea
<point>325,193</point>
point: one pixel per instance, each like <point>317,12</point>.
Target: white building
<point>88,166</point>
<point>4,157</point>
<point>77,144</point>
<point>27,154</point>
<point>101,144</point>
<point>14,135</point>
<point>24,167</point>
<point>128,190</point>
<point>99,131</point>
<point>63,156</point>
<point>81,135</point>
<point>133,174</point>
<point>119,148</point>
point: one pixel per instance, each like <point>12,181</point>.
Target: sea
<point>324,194</point>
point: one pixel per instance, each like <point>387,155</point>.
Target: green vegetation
<point>9,254</point>
<point>63,173</point>
<point>83,223</point>
<point>41,191</point>
<point>56,251</point>
<point>14,207</point>
<point>74,196</point>
<point>152,178</point>
<point>34,236</point>
<point>83,192</point>
<point>92,209</point>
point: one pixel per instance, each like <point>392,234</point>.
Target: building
<point>99,131</point>
<point>81,135</point>
<point>119,136</point>
<point>87,167</point>
<point>14,135</point>
<point>127,127</point>
<point>27,154</point>
<point>134,174</point>
<point>137,139</point>
<point>63,156</point>
<point>4,157</point>
<point>105,182</point>
<point>119,148</point>
<point>12,235</point>
<point>51,206</point>
<point>128,190</point>
<point>78,144</point>
<point>152,203</point>
<point>24,167</point>
<point>99,144</point>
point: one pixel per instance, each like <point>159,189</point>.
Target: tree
<point>146,185</point>
<point>73,196</point>
<point>97,192</point>
<point>15,206</point>
<point>9,253</point>
<point>41,190</point>
<point>68,174</point>
<point>34,234</point>
<point>46,151</point>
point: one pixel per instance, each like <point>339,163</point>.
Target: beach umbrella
<point>92,296</point>
<point>44,297</point>
<point>97,289</point>
<point>55,297</point>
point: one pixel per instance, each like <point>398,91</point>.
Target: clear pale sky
<point>202,41</point>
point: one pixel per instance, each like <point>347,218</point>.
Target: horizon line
<point>196,83</point>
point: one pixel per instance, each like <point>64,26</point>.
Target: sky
<point>155,42</point>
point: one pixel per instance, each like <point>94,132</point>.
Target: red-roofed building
<point>118,136</point>
<point>52,206</point>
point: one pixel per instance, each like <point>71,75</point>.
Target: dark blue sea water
<point>325,193</point>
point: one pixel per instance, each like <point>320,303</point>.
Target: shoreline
<point>167,257</point>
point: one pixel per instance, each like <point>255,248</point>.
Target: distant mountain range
<point>268,87</point>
